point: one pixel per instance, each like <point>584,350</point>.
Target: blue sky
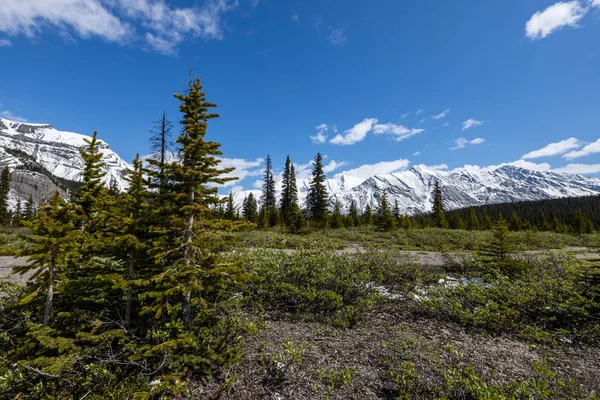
<point>375,87</point>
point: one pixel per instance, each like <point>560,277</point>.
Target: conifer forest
<point>170,289</point>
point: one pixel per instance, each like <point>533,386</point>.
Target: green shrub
<point>546,297</point>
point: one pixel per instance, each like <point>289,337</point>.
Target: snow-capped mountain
<point>42,159</point>
<point>461,187</point>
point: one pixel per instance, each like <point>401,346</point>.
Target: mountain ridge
<point>43,159</point>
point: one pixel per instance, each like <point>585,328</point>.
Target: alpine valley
<point>42,159</point>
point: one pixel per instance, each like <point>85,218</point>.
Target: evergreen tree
<point>289,191</point>
<point>485,221</point>
<point>367,216</point>
<point>496,256</point>
<point>92,194</point>
<point>133,233</point>
<point>29,212</point>
<point>294,218</point>
<point>384,218</point>
<point>581,222</point>
<point>53,243</point>
<point>353,218</point>
<point>18,216</point>
<point>455,221</point>
<point>317,194</point>
<point>542,222</point>
<point>472,220</point>
<point>4,190</point>
<point>515,222</point>
<point>230,209</point>
<point>337,219</point>
<point>190,259</point>
<point>250,209</point>
<point>269,201</point>
<point>439,216</point>
<point>396,211</point>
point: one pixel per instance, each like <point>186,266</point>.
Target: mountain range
<point>43,159</point>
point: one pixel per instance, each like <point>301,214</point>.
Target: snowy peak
<point>42,153</point>
<point>413,188</point>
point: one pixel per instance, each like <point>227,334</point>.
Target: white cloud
<point>333,165</point>
<point>369,170</point>
<point>304,171</point>
<point>419,111</point>
<point>579,169</point>
<point>163,26</point>
<point>459,143</point>
<point>86,18</point>
<point>441,115</point>
<point>337,37</point>
<point>462,142</point>
<point>587,150</point>
<point>407,114</point>
<point>417,153</point>
<point>400,131</point>
<point>528,165</point>
<point>596,3</point>
<point>471,123</point>
<point>554,149</point>
<point>558,15</point>
<point>9,115</point>
<point>296,18</point>
<point>422,120</point>
<point>356,133</point>
<point>446,123</point>
<point>5,43</point>
<point>439,167</point>
<point>518,163</point>
<point>320,137</point>
<point>243,169</point>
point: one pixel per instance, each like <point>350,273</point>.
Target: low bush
<point>547,296</point>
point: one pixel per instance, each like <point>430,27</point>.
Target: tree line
<point>577,215</point>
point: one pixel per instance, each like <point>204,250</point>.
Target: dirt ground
<point>7,264</point>
<point>362,349</point>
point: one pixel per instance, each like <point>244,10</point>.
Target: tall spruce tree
<point>230,208</point>
<point>92,194</point>
<point>287,192</point>
<point>250,208</point>
<point>54,242</point>
<point>132,238</point>
<point>317,198</point>
<point>4,190</point>
<point>189,258</point>
<point>269,201</point>
<point>439,215</point>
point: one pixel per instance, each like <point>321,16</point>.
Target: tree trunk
<point>49,296</point>
<point>129,290</point>
<point>186,306</point>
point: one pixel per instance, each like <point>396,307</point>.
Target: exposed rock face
<point>42,159</point>
<point>27,183</point>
